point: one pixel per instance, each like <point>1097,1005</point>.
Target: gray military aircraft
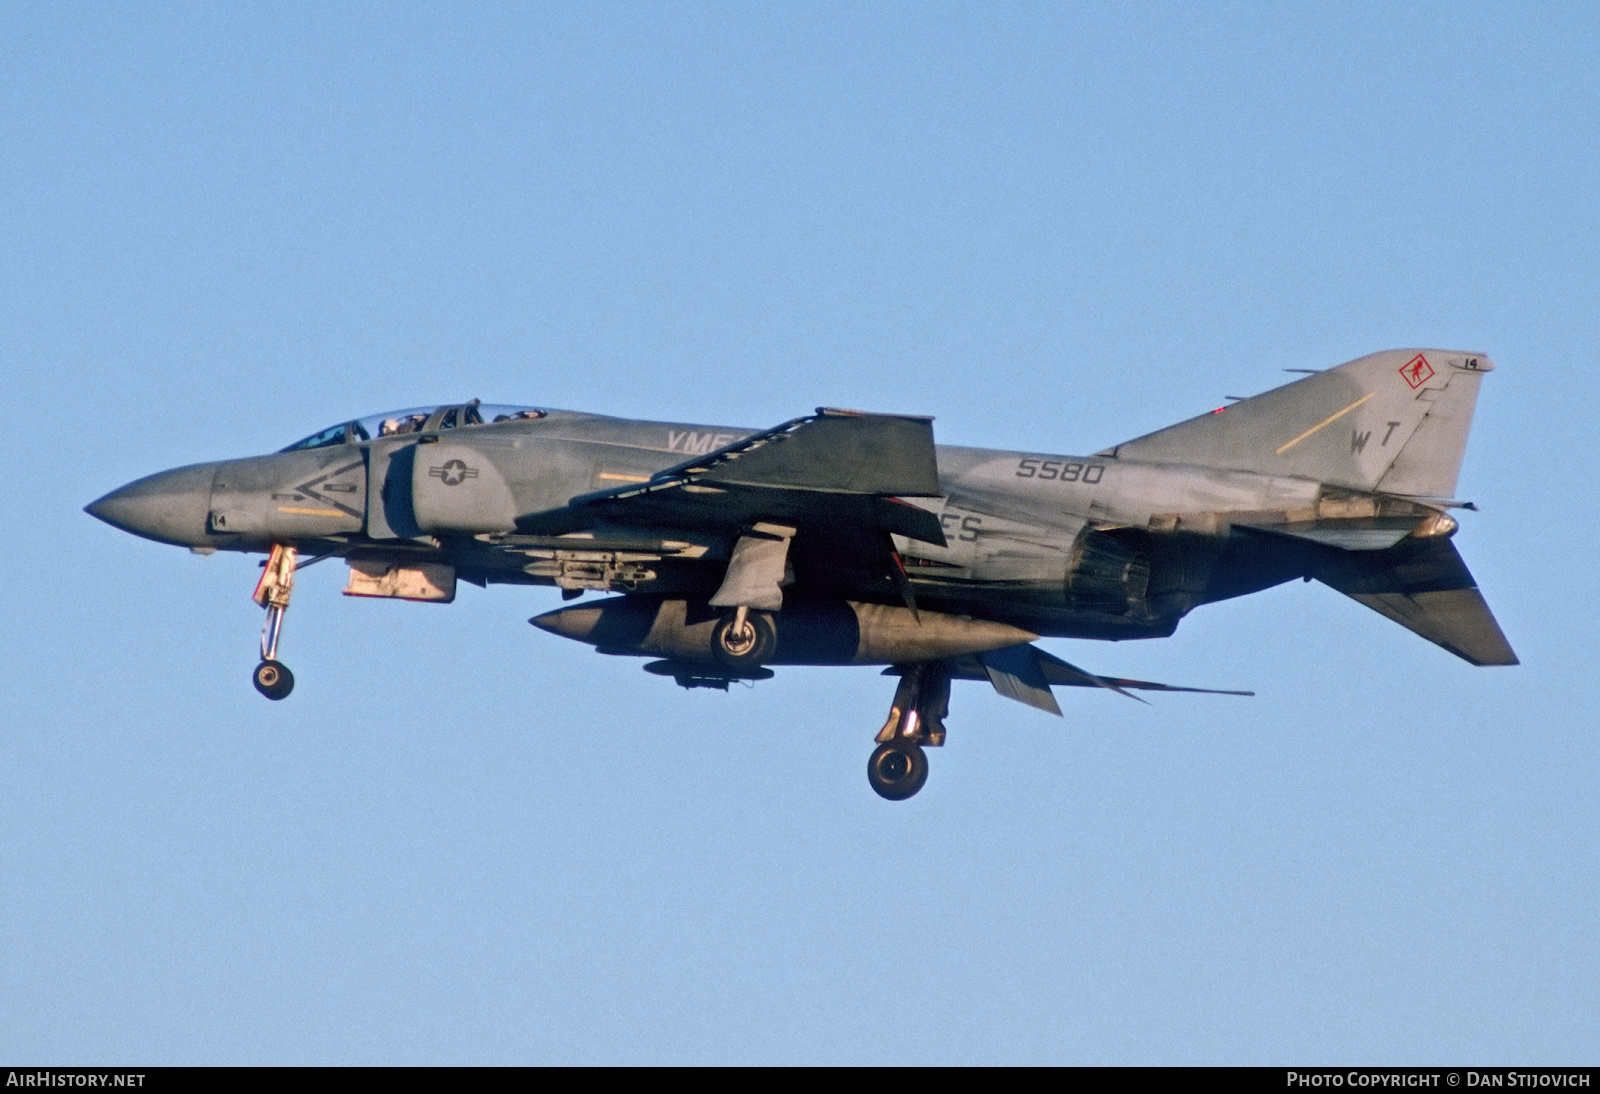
<point>843,538</point>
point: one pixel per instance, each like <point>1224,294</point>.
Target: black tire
<point>273,679</point>
<point>897,770</point>
<point>747,648</point>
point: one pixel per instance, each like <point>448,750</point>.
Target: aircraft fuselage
<point>1059,545</point>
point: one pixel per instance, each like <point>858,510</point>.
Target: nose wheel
<point>899,766</point>
<point>272,677</point>
<point>744,639</point>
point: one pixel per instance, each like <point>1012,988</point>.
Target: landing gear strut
<point>272,678</point>
<point>899,767</point>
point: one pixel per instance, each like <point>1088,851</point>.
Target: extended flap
<point>1015,673</point>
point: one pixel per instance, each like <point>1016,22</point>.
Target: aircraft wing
<point>1026,673</point>
<point>837,470</point>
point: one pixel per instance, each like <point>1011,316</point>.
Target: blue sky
<point>1054,227</point>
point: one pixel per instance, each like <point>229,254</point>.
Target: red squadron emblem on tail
<point>1417,371</point>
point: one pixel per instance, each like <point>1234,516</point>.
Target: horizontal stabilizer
<point>1424,586</point>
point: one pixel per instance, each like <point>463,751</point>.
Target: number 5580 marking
<point>1060,470</point>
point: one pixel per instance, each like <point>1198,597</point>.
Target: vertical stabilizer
<point>1394,422</point>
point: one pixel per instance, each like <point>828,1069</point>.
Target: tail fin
<point>1423,585</point>
<point>1394,423</point>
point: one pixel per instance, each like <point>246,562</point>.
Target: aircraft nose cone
<point>170,507</point>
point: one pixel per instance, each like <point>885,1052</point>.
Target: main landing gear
<point>272,678</point>
<point>899,766</point>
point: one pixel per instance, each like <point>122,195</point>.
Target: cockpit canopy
<point>415,420</point>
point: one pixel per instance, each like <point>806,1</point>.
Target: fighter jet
<point>846,538</point>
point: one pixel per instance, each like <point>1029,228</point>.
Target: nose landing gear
<point>899,766</point>
<point>744,639</point>
<point>272,678</point>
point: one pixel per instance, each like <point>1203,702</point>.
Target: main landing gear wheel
<point>744,640</point>
<point>273,679</point>
<point>897,769</point>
